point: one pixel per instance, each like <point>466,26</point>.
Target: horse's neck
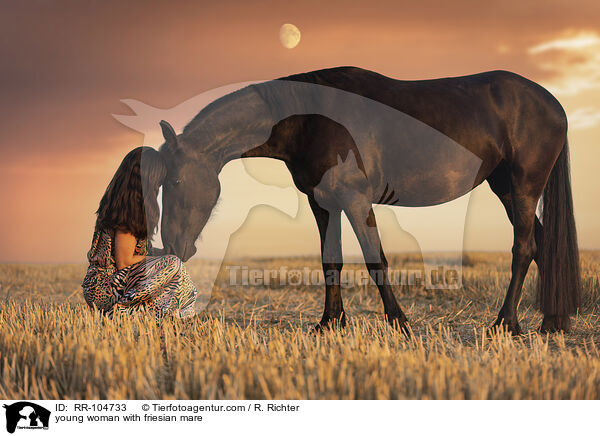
<point>230,127</point>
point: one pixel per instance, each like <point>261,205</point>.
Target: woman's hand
<point>124,250</point>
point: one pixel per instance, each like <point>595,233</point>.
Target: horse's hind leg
<point>329,224</point>
<point>499,182</point>
<point>520,204</point>
<point>361,217</point>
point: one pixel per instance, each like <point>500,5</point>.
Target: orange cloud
<point>574,60</point>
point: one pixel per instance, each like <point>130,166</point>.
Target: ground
<point>254,342</point>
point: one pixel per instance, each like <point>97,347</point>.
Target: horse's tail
<point>558,254</point>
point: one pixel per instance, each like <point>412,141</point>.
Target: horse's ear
<point>168,133</point>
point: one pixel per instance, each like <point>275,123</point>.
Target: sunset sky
<point>67,65</point>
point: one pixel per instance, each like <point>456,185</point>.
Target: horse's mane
<point>343,78</point>
<point>214,105</point>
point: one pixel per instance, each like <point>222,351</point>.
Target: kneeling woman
<point>125,272</point>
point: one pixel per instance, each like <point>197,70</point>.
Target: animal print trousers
<point>159,284</point>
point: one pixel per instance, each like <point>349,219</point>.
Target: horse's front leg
<point>329,223</point>
<point>361,217</point>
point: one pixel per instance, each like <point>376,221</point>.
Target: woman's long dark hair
<point>129,203</point>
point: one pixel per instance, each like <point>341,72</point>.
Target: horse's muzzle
<point>188,251</point>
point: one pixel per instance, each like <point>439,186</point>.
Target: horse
<point>352,138</point>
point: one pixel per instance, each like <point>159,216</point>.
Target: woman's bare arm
<point>124,248</point>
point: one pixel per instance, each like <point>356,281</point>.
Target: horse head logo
<point>358,123</point>
<point>25,414</point>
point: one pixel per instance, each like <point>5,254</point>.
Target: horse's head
<point>190,192</point>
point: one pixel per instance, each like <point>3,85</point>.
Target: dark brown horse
<point>352,138</point>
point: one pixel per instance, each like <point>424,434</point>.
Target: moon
<point>289,35</point>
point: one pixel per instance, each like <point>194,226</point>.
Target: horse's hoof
<point>320,329</point>
<point>507,327</point>
<point>556,323</point>
<point>328,323</point>
<point>400,323</point>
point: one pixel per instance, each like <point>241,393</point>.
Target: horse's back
<point>415,97</point>
<point>461,129</point>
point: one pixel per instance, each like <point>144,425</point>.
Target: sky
<point>66,66</point>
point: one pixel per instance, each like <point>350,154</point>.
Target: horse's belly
<point>415,191</point>
<point>426,176</point>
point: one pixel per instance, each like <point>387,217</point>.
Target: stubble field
<point>254,342</point>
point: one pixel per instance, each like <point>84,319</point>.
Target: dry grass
<point>253,342</point>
